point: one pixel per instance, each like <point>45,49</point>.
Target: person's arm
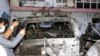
<point>9,31</point>
<point>12,43</point>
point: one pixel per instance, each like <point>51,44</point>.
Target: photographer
<point>6,43</point>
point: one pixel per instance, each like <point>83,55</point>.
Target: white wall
<point>47,3</point>
<point>55,4</point>
<point>82,19</point>
<point>51,2</point>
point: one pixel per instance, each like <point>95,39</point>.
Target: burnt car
<point>51,36</point>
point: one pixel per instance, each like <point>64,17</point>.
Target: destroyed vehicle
<point>51,36</point>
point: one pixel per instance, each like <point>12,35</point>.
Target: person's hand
<point>15,24</point>
<point>22,32</point>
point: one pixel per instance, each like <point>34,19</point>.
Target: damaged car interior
<point>45,38</point>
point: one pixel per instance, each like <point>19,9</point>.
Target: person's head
<point>3,24</point>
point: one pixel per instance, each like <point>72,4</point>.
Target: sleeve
<point>10,43</point>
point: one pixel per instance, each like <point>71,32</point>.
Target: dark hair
<point>4,20</point>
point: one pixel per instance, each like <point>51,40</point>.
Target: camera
<point>22,25</point>
<point>22,22</point>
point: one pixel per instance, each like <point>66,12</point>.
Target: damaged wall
<point>82,19</point>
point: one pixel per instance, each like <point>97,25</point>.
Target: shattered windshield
<point>49,30</point>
